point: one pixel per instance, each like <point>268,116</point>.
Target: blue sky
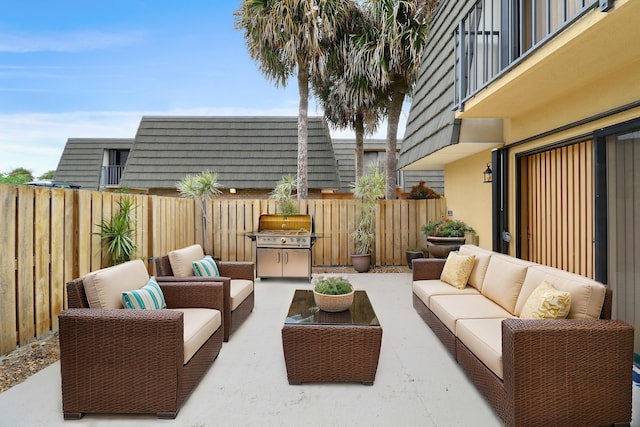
<point>92,69</point>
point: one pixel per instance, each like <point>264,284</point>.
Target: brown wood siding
<point>557,208</point>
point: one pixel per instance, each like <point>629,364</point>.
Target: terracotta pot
<point>439,247</point>
<point>361,262</point>
<point>333,303</point>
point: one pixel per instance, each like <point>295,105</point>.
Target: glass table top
<point>303,310</point>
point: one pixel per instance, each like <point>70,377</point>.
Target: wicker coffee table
<point>331,347</point>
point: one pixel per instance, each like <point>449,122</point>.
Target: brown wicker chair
<point>230,271</point>
<point>132,361</point>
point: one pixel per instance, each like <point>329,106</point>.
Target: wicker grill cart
<point>331,347</point>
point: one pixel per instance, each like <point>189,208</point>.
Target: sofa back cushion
<point>476,278</point>
<point>587,295</point>
<point>104,287</point>
<point>503,280</point>
<point>181,260</point>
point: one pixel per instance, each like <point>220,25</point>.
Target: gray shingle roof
<point>82,159</point>
<point>246,152</point>
<point>431,124</point>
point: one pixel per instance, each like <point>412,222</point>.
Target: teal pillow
<point>206,267</point>
<point>148,297</point>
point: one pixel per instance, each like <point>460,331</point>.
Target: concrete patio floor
<point>417,383</point>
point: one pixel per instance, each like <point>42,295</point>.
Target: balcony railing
<point>496,35</point>
<point>111,175</point>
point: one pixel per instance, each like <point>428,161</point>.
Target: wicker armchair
<point>133,361</point>
<point>237,278</point>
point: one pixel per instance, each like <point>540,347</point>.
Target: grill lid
<point>289,224</point>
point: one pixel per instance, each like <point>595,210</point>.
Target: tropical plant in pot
<point>368,189</point>
<point>445,235</point>
<point>118,233</point>
<point>333,293</point>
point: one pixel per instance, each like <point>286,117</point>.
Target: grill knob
<point>283,240</point>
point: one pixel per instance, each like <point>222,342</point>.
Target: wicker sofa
<point>533,372</point>
<point>116,360</point>
<point>237,278</point>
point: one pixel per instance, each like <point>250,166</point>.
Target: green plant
<point>118,233</point>
<point>446,227</point>
<point>368,189</point>
<point>282,194</point>
<point>332,285</point>
<point>202,187</point>
<point>422,191</point>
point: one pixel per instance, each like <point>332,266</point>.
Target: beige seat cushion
<point>484,338</point>
<point>425,289</point>
<point>587,295</point>
<point>104,287</point>
<point>476,278</point>
<point>503,280</point>
<point>199,325</point>
<point>181,260</point>
<point>451,308</point>
<point>240,289</point>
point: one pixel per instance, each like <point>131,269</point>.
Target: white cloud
<point>65,42</point>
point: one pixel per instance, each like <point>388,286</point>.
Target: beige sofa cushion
<point>181,260</point>
<point>479,265</point>
<point>484,338</point>
<point>425,289</point>
<point>503,280</point>
<point>199,324</point>
<point>587,295</point>
<point>457,269</point>
<point>451,308</point>
<point>240,289</point>
<point>104,287</point>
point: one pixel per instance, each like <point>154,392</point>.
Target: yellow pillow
<point>546,302</point>
<point>457,269</point>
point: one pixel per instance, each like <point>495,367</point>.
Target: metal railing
<point>496,35</point>
<point>111,175</point>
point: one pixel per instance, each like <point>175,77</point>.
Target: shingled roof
<point>246,152</point>
<point>82,159</point>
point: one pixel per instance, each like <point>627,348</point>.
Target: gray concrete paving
<point>417,383</point>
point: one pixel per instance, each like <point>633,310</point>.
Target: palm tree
<point>389,52</point>
<point>349,100</point>
<point>286,37</point>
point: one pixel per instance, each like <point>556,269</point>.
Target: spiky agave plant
<point>202,187</point>
<point>118,233</point>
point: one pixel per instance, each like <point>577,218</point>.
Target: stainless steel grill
<point>283,246</point>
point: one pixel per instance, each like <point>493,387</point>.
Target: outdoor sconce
<point>488,174</point>
<point>232,190</point>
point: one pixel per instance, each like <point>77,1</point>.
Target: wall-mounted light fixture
<point>488,174</point>
<point>232,190</point>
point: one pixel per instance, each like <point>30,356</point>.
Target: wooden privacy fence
<point>48,237</point>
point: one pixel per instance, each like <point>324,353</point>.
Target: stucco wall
<point>468,196</point>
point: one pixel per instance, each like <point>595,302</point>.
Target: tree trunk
<point>303,119</point>
<point>358,126</point>
<point>395,108</point>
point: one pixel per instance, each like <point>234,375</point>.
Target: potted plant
<point>368,189</point>
<point>445,235</point>
<point>333,293</point>
<point>412,254</point>
<point>118,233</point>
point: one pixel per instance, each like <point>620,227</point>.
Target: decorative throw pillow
<point>457,269</point>
<point>206,267</point>
<point>546,302</point>
<point>148,297</point>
